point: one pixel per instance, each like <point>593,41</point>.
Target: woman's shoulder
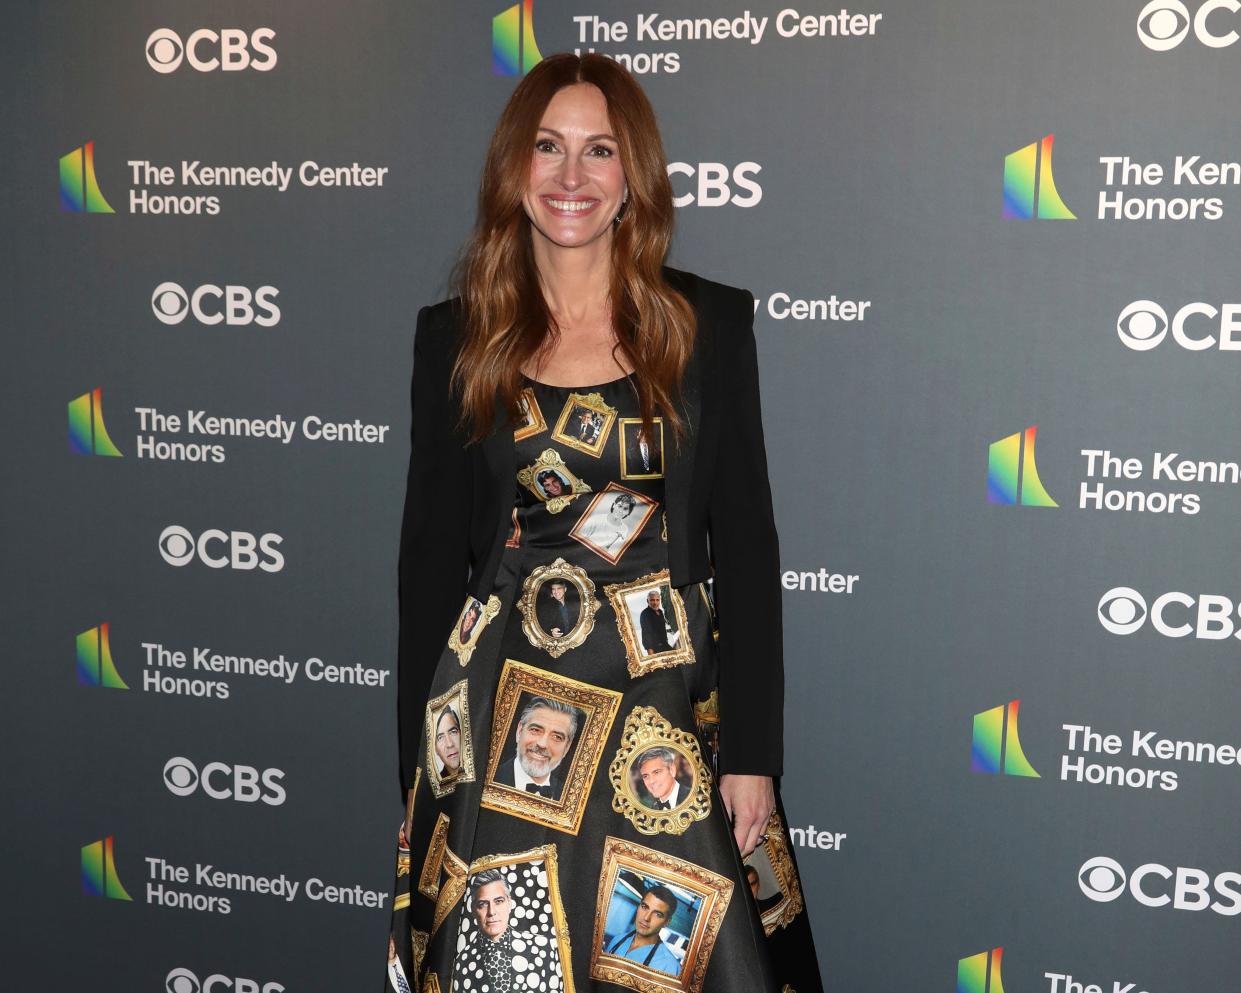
<point>703,291</point>
<point>438,327</point>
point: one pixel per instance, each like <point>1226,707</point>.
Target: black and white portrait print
<point>612,521</point>
<point>508,940</point>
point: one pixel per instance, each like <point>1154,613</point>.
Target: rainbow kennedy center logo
<point>79,189</point>
<point>514,52</point>
<point>981,973</point>
<point>997,745</point>
<point>1030,186</point>
<point>99,876</point>
<point>88,435</point>
<point>95,665</point>
<point>1012,475</point>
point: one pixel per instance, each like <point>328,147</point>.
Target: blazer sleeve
<point>433,563</point>
<point>745,555</point>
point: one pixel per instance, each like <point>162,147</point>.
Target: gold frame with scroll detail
<point>552,459</point>
<point>574,576</point>
<point>429,878</point>
<point>593,402</point>
<point>599,707</point>
<point>451,888</point>
<point>776,848</point>
<point>647,863</point>
<point>486,611</point>
<point>646,728</point>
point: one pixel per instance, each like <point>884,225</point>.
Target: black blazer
<point>459,503</point>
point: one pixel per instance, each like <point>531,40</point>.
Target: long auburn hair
<point>506,318</point>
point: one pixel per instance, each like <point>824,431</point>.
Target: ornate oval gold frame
<point>645,728</point>
<point>528,605</point>
<point>551,459</point>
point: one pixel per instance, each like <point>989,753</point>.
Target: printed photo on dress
<point>642,455</point>
<point>450,750</point>
<point>557,607</point>
<point>772,878</point>
<point>612,520</point>
<point>530,420</point>
<point>549,479</point>
<point>585,423</point>
<point>547,738</point>
<point>513,934</point>
<point>474,616</point>
<point>658,777</point>
<point>657,919</point>
<point>650,616</point>
<point>396,972</point>
<point>707,716</point>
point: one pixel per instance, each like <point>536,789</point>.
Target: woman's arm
<point>746,556</point>
<point>434,558</point>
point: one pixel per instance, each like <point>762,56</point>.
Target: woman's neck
<point>575,281</point>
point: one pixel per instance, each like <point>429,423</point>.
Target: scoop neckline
<point>594,386</point>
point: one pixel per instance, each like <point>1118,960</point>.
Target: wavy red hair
<point>506,318</point>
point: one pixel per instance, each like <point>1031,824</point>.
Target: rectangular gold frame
<point>624,450</point>
<point>591,401</point>
<point>429,878</point>
<point>640,664</point>
<point>715,890</point>
<point>457,690</point>
<point>600,706</point>
<point>521,434</point>
<point>614,487</point>
<point>547,855</point>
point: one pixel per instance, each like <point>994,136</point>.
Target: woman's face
<point>576,180</point>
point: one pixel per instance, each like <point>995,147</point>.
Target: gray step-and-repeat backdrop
<point>994,249</point>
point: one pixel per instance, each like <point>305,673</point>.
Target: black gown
<point>567,832</point>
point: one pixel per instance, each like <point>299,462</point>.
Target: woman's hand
<point>749,802</point>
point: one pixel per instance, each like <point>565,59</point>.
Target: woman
<point>565,305</point>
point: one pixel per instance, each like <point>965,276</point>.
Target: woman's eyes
<point>597,151</point>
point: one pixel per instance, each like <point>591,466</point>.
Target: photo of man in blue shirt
<point>643,944</point>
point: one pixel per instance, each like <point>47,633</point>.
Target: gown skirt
<point>567,833</point>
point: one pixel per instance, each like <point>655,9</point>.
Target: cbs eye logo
<point>178,547</point>
<point>1164,24</point>
<point>184,981</point>
<point>221,781</point>
<point>1122,610</point>
<point>1101,879</point>
<point>165,51</point>
<point>1142,325</point>
<point>210,304</point>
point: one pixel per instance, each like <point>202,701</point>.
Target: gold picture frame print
<point>708,891</point>
<point>451,888</point>
<point>596,708</point>
<point>429,878</point>
<point>630,601</point>
<point>533,602</point>
<point>455,702</point>
<point>612,521</point>
<point>631,461</point>
<point>559,929</point>
<point>532,416</point>
<point>655,755</point>
<point>463,640</point>
<point>585,423</point>
<point>549,479</point>
<point>777,913</point>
